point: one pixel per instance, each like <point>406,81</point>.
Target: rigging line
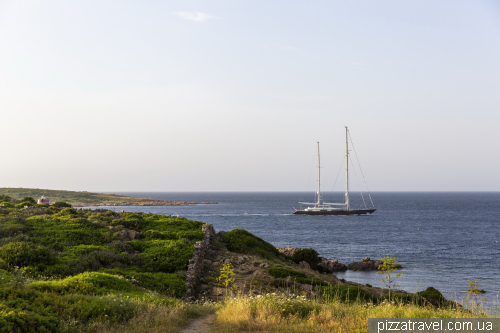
<point>357,181</point>
<point>357,159</point>
<point>310,173</point>
<point>341,165</point>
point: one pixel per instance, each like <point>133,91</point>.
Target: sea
<point>442,239</point>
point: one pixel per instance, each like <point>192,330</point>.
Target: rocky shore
<point>365,264</point>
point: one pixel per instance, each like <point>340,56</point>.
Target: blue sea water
<point>442,239</point>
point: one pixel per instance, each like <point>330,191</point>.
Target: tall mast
<point>347,206</point>
<point>319,179</point>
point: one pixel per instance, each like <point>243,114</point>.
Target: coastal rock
<point>264,265</point>
<point>366,264</point>
<point>333,265</point>
<point>288,251</point>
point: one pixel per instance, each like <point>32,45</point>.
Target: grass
<point>154,318</point>
<point>281,313</point>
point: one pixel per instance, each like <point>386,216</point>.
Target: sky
<point>233,95</point>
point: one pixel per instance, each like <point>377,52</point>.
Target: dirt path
<point>201,325</point>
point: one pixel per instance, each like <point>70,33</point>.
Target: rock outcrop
<point>288,251</point>
<point>333,265</point>
<point>366,264</point>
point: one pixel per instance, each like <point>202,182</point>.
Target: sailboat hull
<point>336,212</point>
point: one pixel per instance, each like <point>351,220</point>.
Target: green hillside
<point>84,198</point>
<point>59,265</point>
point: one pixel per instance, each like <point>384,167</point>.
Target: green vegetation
<point>346,294</point>
<point>389,265</point>
<point>241,241</point>
<point>28,196</point>
<point>59,265</point>
<point>281,273</point>
<point>308,255</point>
<point>345,310</point>
<point>226,277</point>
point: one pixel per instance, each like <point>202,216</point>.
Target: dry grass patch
<point>274,313</point>
<point>156,318</point>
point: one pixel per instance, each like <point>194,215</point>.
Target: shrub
<point>166,255</point>
<point>52,231</point>
<point>30,310</point>
<point>61,204</point>
<point>308,255</point>
<point>25,254</point>
<point>165,283</point>
<point>11,229</point>
<point>29,199</point>
<point>324,269</point>
<point>6,204</point>
<point>25,203</point>
<point>432,295</point>
<point>68,211</point>
<point>26,321</point>
<point>86,283</point>
<point>241,241</point>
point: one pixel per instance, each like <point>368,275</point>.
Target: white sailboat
<point>324,208</point>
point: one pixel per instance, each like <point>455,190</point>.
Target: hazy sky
<point>233,95</point>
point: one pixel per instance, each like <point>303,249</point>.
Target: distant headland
<point>86,199</point>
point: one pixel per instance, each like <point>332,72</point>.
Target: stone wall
<point>196,263</point>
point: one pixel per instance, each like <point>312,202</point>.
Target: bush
<point>308,255</point>
<point>26,254</point>
<point>26,321</point>
<point>25,203</point>
<point>241,241</point>
<point>165,283</point>
<point>61,204</point>
<point>29,199</point>
<point>11,229</point>
<point>166,255</point>
<point>30,310</point>
<point>324,269</point>
<point>68,211</point>
<point>432,295</point>
<point>86,283</point>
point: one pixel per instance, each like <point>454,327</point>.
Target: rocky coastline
<point>365,264</point>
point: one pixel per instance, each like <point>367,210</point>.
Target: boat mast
<point>347,206</point>
<point>319,180</point>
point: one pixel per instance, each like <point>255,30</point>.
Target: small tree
<point>226,276</point>
<point>472,298</point>
<point>389,265</point>
<point>28,199</point>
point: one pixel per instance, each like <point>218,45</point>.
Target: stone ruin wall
<point>196,263</point>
